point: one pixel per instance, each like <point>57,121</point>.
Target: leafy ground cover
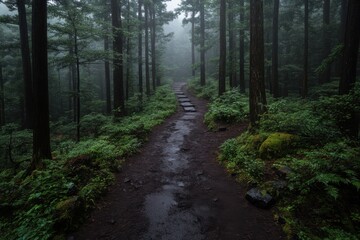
<point>55,199</point>
<point>301,156</point>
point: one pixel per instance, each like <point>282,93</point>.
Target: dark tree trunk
<point>275,47</point>
<point>232,46</point>
<point>147,65</point>
<point>77,98</point>
<point>222,60</point>
<point>119,106</point>
<point>107,77</point>
<point>128,54</point>
<point>326,40</point>
<point>202,43</point>
<point>351,49</point>
<point>26,64</point>
<point>41,131</point>
<point>242,48</point>
<point>304,87</point>
<point>257,86</point>
<point>153,47</point>
<point>140,67</point>
<point>343,15</point>
<point>193,43</point>
<point>2,102</point>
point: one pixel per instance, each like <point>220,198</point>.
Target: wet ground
<point>175,190</point>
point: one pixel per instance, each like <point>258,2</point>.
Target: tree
<point>242,48</point>
<point>119,105</point>
<point>26,64</point>
<point>257,85</point>
<point>153,44</point>
<point>147,64</point>
<point>2,103</point>
<point>202,43</point>
<point>41,131</point>
<point>275,47</point>
<point>304,87</point>
<point>326,40</point>
<point>222,60</point>
<point>140,61</point>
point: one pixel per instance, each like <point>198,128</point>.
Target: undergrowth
<point>300,155</point>
<point>54,200</point>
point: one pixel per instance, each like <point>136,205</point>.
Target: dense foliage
<point>301,156</point>
<point>55,199</point>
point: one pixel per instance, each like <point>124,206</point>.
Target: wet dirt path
<point>175,190</point>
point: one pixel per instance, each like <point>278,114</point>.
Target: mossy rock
<point>277,145</point>
<point>251,142</point>
<point>66,211</point>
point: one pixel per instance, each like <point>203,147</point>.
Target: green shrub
<point>209,91</point>
<point>231,107</point>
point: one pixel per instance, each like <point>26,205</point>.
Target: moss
<point>276,145</point>
<point>65,211</point>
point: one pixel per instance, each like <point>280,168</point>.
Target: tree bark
<point>232,46</point>
<point>107,77</point>
<point>193,43</point>
<point>275,47</point>
<point>242,48</point>
<point>202,43</point>
<point>77,98</point>
<point>222,60</point>
<point>257,85</point>
<point>304,87</point>
<point>147,65</point>
<point>26,64</point>
<point>2,102</point>
<point>119,106</point>
<point>128,54</point>
<point>153,47</point>
<point>41,131</point>
<point>140,67</point>
<point>326,40</point>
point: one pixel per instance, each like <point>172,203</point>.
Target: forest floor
<point>174,188</point>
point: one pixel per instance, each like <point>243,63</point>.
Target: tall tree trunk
<point>77,98</point>
<point>222,60</point>
<point>119,106</point>
<point>140,67</point>
<point>257,85</point>
<point>232,46</point>
<point>275,47</point>
<point>153,46</point>
<point>351,49</point>
<point>242,48</point>
<point>326,40</point>
<point>147,65</point>
<point>202,43</point>
<point>26,64</point>
<point>128,54</point>
<point>2,102</point>
<point>304,87</point>
<point>193,43</point>
<point>343,15</point>
<point>107,77</point>
<point>41,131</point>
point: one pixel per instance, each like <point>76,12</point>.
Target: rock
<point>215,199</point>
<point>277,145</point>
<point>126,180</point>
<point>282,171</point>
<point>279,184</point>
<point>199,173</point>
<point>72,189</point>
<point>259,199</point>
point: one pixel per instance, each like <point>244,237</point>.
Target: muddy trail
<point>174,189</point>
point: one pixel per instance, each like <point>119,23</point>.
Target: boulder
<point>277,145</point>
<point>260,199</point>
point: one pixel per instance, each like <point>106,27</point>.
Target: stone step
<point>189,109</point>
<point>183,100</point>
<point>186,104</point>
<point>181,96</point>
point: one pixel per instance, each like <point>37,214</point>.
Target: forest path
<point>174,189</point>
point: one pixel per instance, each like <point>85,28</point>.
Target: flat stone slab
<point>189,109</point>
<point>181,96</point>
<point>184,100</point>
<point>186,104</point>
<point>179,93</point>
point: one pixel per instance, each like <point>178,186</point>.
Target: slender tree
<point>140,61</point>
<point>326,40</point>
<point>153,45</point>
<point>193,42</point>
<point>2,103</point>
<point>257,85</point>
<point>304,86</point>
<point>41,131</point>
<point>202,43</point>
<point>232,45</point>
<point>119,106</point>
<point>107,77</point>
<point>222,60</point>
<point>275,47</point>
<point>147,63</point>
<point>26,64</point>
<point>242,48</point>
<point>128,51</point>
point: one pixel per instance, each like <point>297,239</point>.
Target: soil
<point>174,189</point>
